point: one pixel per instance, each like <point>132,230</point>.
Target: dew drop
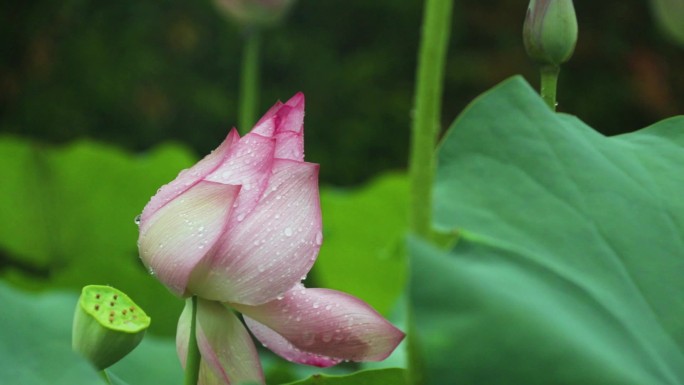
<point>315,305</point>
<point>319,238</point>
<point>327,337</point>
<point>328,307</point>
<point>308,338</point>
<point>241,217</point>
<point>136,220</point>
<point>287,232</point>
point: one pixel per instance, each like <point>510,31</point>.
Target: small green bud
<point>107,325</point>
<point>550,31</point>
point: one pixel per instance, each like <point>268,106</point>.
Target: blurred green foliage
<point>570,257</point>
<point>140,73</point>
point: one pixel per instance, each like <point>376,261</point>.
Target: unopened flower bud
<point>550,31</point>
<point>107,325</point>
<point>255,12</point>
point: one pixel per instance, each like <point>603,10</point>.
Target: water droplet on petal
<point>240,217</point>
<point>137,219</point>
<point>319,238</point>
<point>287,232</point>
<point>308,338</point>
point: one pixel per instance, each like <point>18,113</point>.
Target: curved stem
<point>192,363</point>
<point>427,110</point>
<point>249,81</point>
<point>549,83</point>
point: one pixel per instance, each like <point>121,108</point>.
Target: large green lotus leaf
<point>67,218</point>
<point>570,265</point>
<point>35,331</point>
<point>391,376</point>
<point>154,361</point>
<point>363,232</point>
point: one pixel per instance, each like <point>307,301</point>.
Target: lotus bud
<point>255,12</point>
<point>107,325</point>
<point>550,31</point>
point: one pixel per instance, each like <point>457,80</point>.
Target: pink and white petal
<point>249,165</point>
<point>328,323</point>
<point>282,347</point>
<point>189,177</point>
<point>292,118</point>
<point>289,145</point>
<point>266,125</point>
<point>274,247</point>
<point>228,353</point>
<point>178,236</point>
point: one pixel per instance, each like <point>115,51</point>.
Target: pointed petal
<point>291,115</point>
<point>228,353</point>
<point>282,347</point>
<point>289,131</point>
<point>275,246</point>
<point>188,178</point>
<point>266,125</point>
<point>327,323</point>
<point>178,236</point>
<point>249,165</point>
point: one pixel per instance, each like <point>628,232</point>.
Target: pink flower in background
<point>255,11</point>
<point>240,230</point>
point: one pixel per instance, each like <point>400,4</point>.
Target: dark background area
<point>137,73</point>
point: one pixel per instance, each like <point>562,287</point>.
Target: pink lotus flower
<point>255,11</point>
<point>240,230</point>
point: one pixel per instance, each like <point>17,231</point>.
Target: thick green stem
<point>427,111</point>
<point>249,80</point>
<point>549,83</point>
<point>192,362</point>
<point>424,132</point>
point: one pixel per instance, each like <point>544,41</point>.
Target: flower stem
<point>192,363</point>
<point>427,112</point>
<point>424,132</point>
<point>249,80</point>
<point>549,83</point>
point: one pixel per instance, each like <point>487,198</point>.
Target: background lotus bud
<point>107,325</point>
<point>550,31</point>
<point>255,12</point>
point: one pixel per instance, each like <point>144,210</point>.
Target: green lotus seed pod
<point>107,325</point>
<point>550,31</point>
